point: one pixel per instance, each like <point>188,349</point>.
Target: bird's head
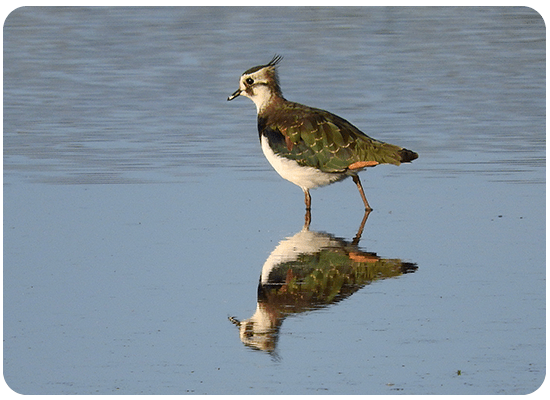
<point>260,84</point>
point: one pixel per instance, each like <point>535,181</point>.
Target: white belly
<point>305,177</point>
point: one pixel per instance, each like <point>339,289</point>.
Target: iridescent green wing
<point>319,139</point>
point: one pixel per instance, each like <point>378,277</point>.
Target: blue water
<point>139,211</point>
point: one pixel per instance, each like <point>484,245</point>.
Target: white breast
<point>305,177</point>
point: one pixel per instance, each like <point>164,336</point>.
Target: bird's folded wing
<point>329,143</point>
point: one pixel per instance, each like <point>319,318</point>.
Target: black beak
<point>236,94</point>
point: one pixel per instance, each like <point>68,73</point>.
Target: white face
<point>255,87</point>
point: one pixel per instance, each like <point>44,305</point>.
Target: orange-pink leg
<point>361,192</point>
<point>307,199</point>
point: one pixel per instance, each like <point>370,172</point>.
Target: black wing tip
<point>408,267</point>
<point>407,155</point>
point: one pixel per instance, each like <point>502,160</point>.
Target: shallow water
<point>139,212</point>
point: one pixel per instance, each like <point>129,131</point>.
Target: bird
<point>308,146</point>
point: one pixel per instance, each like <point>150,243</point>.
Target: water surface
<point>139,212</point>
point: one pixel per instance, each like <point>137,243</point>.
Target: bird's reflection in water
<point>308,271</point>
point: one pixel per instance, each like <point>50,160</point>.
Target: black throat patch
<point>274,137</point>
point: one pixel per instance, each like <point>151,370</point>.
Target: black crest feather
<point>275,60</point>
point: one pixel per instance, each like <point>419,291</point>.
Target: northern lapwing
<point>308,146</point>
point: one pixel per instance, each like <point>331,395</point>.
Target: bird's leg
<point>357,237</point>
<point>361,192</point>
<point>307,199</point>
<point>307,219</point>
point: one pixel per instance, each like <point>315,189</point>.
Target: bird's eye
<point>250,81</point>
